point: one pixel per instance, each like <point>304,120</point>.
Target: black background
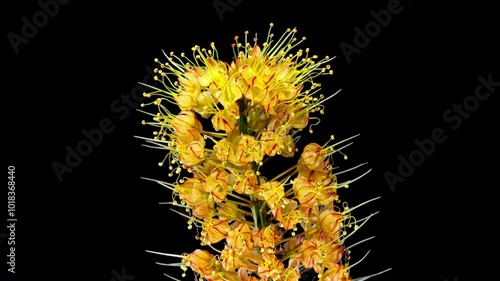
<point>99,220</point>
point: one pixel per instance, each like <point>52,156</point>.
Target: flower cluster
<point>231,119</point>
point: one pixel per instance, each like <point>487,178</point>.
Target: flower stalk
<point>258,206</point>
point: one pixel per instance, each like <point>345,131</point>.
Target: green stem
<point>260,206</point>
<point>259,218</point>
<point>255,211</point>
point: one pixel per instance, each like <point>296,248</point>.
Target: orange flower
<point>331,221</point>
<point>230,211</point>
<point>327,184</point>
<point>313,157</point>
<point>214,230</point>
<point>337,272</point>
<point>202,262</point>
<point>234,259</point>
<point>289,216</point>
<point>266,238</point>
<point>292,244</point>
<point>273,193</point>
<point>271,267</point>
<point>246,182</point>
<point>317,189</point>
<point>291,273</point>
<point>243,275</point>
<point>240,237</point>
<point>317,254</point>
<point>191,191</point>
<point>305,191</point>
<point>204,209</point>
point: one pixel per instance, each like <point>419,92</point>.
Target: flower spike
<point>218,125</point>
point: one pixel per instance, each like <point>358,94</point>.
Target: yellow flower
<point>225,119</point>
<point>191,154</point>
<point>187,127</point>
<point>246,150</point>
<point>277,143</point>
